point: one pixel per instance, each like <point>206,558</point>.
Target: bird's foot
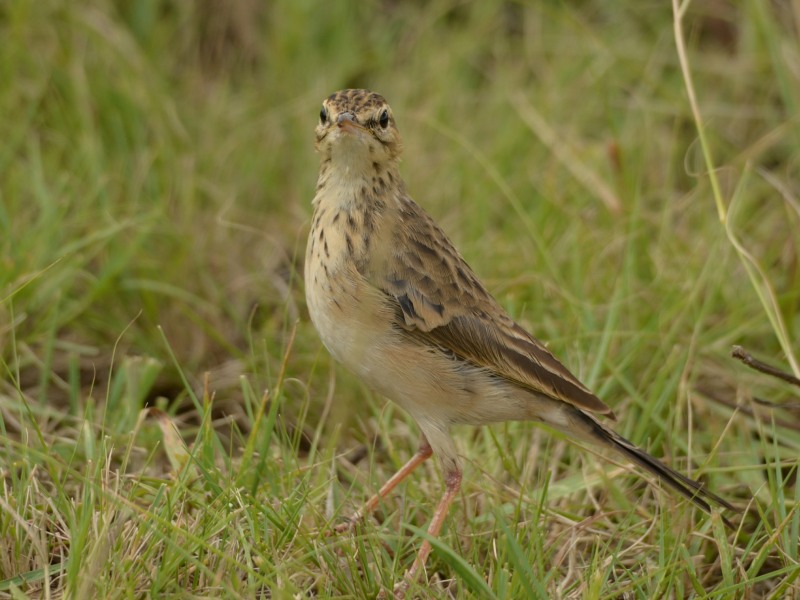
<point>399,592</point>
<point>347,525</point>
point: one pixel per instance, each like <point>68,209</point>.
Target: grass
<point>171,425</point>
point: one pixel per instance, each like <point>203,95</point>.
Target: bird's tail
<point>692,490</point>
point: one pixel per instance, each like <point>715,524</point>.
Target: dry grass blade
<point>753,363</point>
<point>591,181</point>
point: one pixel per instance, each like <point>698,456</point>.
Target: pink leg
<point>452,484</point>
<point>423,454</point>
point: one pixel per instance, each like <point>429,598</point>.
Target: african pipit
<point>395,303</point>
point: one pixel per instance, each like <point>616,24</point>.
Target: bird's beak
<point>346,121</point>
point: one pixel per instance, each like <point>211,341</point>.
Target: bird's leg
<point>424,453</point>
<point>452,484</point>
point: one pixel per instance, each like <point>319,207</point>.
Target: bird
<point>394,302</point>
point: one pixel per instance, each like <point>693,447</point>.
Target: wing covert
<point>439,300</point>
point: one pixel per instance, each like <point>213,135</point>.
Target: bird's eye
<point>323,115</point>
<point>383,120</point>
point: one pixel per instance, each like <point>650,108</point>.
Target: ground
<point>170,424</point>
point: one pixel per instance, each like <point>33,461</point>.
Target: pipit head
<point>357,125</point>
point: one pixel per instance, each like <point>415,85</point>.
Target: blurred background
<point>157,164</point>
<point>157,169</point>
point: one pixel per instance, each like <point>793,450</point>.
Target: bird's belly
<point>423,380</point>
<point>348,316</point>
<point>357,327</point>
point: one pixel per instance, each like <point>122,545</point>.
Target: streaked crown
<point>362,115</point>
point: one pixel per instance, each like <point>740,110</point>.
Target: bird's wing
<point>439,301</point>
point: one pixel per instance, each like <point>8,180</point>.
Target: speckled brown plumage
<point>395,302</point>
